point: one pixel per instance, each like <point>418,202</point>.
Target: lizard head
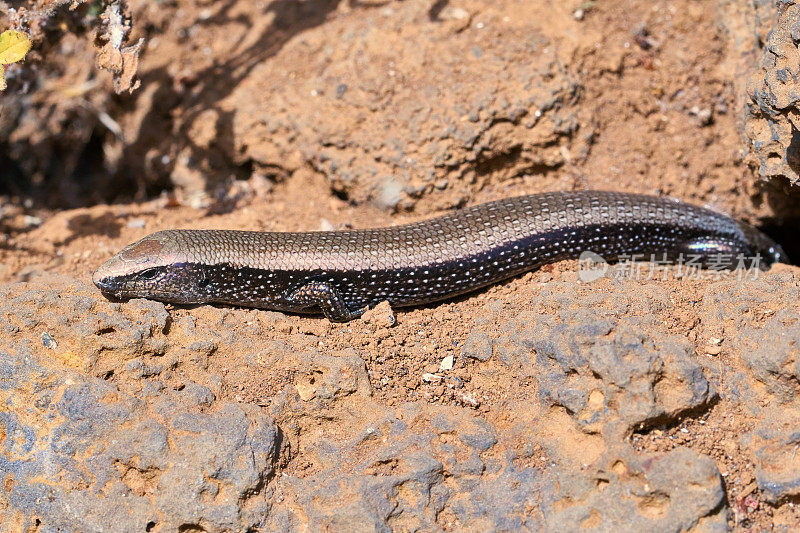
<point>153,267</point>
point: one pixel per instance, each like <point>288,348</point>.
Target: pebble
<point>447,363</point>
<point>703,114</point>
<point>713,350</point>
<point>48,341</point>
<point>382,315</point>
<point>454,13</point>
<point>31,221</point>
<point>306,391</point>
<point>477,346</point>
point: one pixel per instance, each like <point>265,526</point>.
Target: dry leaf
<point>13,46</point>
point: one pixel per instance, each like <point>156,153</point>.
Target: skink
<point>342,273</point>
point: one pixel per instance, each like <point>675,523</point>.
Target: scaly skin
<point>341,273</point>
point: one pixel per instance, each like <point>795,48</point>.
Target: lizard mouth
<point>109,289</point>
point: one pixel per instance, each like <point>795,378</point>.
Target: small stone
<point>381,315</point>
<point>750,488</point>
<point>390,192</point>
<point>454,13</point>
<point>468,399</point>
<point>713,350</point>
<point>201,396</point>
<point>48,341</point>
<point>136,223</point>
<point>704,115</point>
<point>31,221</point>
<point>428,378</point>
<point>307,391</point>
<point>478,346</point>
<point>447,363</point>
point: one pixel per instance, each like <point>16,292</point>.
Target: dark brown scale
<point>342,272</point>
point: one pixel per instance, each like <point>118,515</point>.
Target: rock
<point>774,444</point>
<point>763,338</point>
<point>477,346</point>
<point>447,363</point>
<point>480,436</point>
<point>340,374</point>
<point>48,341</point>
<point>600,368</point>
<point>769,350</point>
<point>771,114</point>
<point>200,395</point>
<point>676,491</point>
<point>393,155</point>
<point>382,316</point>
<point>107,458</point>
<point>407,473</point>
<point>86,324</point>
<point>306,390</point>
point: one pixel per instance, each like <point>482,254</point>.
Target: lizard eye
<point>150,273</point>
